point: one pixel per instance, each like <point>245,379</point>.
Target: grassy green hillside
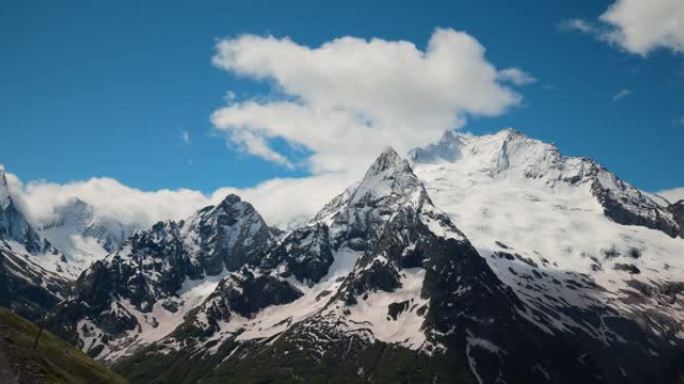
<point>53,361</point>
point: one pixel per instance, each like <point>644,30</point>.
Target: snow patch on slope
<point>371,313</point>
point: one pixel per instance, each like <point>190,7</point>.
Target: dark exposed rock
<point>306,252</point>
<point>677,210</point>
<point>634,253</point>
<point>395,309</point>
<point>246,294</point>
<point>640,211</point>
<point>665,292</point>
<point>504,255</point>
<point>631,268</point>
<point>376,276</point>
<point>526,260</point>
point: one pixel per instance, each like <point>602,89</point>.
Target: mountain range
<point>483,259</point>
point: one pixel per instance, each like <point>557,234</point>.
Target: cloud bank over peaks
<point>281,201</point>
<point>350,97</point>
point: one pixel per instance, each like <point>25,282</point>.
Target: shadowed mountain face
<point>483,259</point>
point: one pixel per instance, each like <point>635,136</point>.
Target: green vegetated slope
<point>53,361</point>
<point>377,363</point>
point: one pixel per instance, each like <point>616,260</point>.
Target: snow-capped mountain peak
<point>388,159</point>
<point>510,155</point>
<point>388,183</point>
<point>228,234</point>
<point>504,153</point>
<point>82,235</point>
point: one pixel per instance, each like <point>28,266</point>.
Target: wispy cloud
<point>185,135</point>
<point>579,25</point>
<point>622,94</point>
<point>516,76</point>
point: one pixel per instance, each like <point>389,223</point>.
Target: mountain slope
<point>379,234</point>
<point>13,224</point>
<point>53,361</point>
<point>537,219</point>
<point>397,291</point>
<point>558,272</point>
<point>33,274</point>
<point>142,290</point>
<point>81,235</point>
<point>544,207</point>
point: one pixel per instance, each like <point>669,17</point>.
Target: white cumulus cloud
<point>280,201</point>
<point>638,26</point>
<point>348,98</point>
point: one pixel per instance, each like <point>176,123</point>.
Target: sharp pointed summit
<point>388,159</point>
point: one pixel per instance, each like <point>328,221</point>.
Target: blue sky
<point>92,89</point>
